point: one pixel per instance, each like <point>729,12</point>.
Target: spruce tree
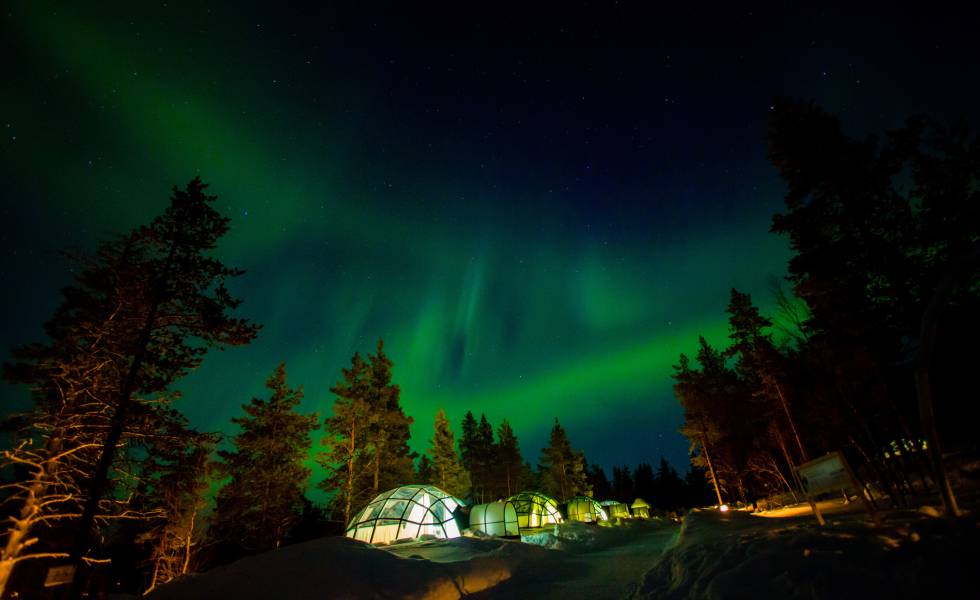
<point>391,460</point>
<point>562,468</point>
<point>264,498</point>
<point>644,483</point>
<point>595,476</point>
<point>622,484</point>
<point>176,481</point>
<point>424,473</point>
<point>479,456</point>
<point>469,450</point>
<point>346,458</point>
<point>509,463</point>
<point>487,457</point>
<point>449,472</point>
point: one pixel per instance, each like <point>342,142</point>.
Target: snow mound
<point>577,537</point>
<point>737,555</point>
<point>339,567</point>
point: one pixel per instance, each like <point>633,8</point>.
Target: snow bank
<point>577,537</point>
<point>737,555</point>
<point>339,567</point>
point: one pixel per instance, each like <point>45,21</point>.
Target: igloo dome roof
<point>406,512</point>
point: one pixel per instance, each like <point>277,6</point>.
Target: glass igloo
<point>495,518</point>
<point>405,513</point>
<point>535,509</point>
<point>616,510</point>
<point>586,510</point>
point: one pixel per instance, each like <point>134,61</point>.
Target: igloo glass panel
<point>416,512</point>
<point>408,530</point>
<point>405,492</point>
<point>394,509</point>
<point>372,511</point>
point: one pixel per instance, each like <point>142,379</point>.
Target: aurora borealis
<point>536,223</point>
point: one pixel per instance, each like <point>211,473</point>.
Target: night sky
<point>537,211</point>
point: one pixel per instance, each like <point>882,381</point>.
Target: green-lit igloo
<point>640,508</point>
<point>495,518</point>
<point>586,510</point>
<point>616,510</point>
<point>405,513</point>
<point>534,510</point>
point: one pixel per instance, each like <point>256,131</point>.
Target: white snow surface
<point>713,555</point>
<point>339,567</point>
<point>720,556</point>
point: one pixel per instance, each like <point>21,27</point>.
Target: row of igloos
<point>415,511</point>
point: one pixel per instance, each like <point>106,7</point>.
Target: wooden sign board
<point>59,575</point>
<point>828,473</point>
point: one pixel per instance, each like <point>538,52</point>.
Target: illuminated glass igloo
<point>616,510</point>
<point>405,513</point>
<point>535,509</point>
<point>586,510</point>
<point>641,510</point>
<point>495,518</point>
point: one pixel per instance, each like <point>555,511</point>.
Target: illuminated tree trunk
<point>350,473</point>
<point>711,469</point>
<point>789,418</point>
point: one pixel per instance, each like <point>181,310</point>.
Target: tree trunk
<point>711,469</point>
<point>789,418</point>
<point>187,544</point>
<point>927,345</point>
<point>101,475</point>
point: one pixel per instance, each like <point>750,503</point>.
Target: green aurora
<point>516,296</point>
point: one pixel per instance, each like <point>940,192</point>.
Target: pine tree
<point>644,482</point>
<point>388,434</point>
<point>346,459</point>
<point>176,480</point>
<point>425,473</point>
<point>142,313</point>
<point>264,498</point>
<point>469,450</point>
<point>487,457</point>
<point>622,484</point>
<point>595,475</point>
<point>450,474</point>
<point>562,468</point>
<point>670,486</point>
<point>509,462</point>
<point>479,456</point>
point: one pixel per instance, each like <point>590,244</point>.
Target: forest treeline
<point>103,471</point>
<point>884,234</point>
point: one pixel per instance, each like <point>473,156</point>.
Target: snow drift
<point>737,555</point>
<point>339,567</point>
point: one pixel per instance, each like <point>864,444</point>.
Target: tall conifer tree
<point>346,458</point>
<point>391,460</point>
<point>450,474</point>
<point>562,468</point>
<point>142,312</point>
<point>264,498</point>
<point>509,462</point>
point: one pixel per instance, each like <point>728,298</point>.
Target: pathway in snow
<point>614,571</point>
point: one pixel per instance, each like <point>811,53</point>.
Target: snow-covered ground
<point>913,554</point>
<point>586,561</point>
<point>712,555</point>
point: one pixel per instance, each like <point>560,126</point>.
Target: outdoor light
<point>723,508</point>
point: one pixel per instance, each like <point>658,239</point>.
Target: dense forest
<point>885,238</point>
<point>103,470</point>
